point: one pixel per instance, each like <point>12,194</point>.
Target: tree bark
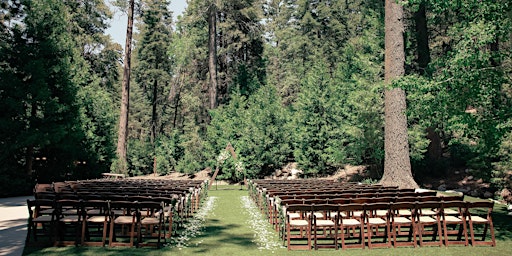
<point>397,164</point>
<point>212,54</point>
<point>154,113</point>
<point>125,95</point>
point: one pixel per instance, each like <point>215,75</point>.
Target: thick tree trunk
<point>212,52</point>
<point>397,165</point>
<point>125,95</point>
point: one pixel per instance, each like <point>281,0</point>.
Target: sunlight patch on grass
<point>264,238</point>
<point>194,226</point>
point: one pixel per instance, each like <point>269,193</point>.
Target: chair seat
<point>403,212</point>
<point>118,212</point>
<point>428,212</point>
<point>351,222</point>
<point>94,212</point>
<point>376,221</point>
<point>293,215</point>
<point>381,213</point>
<point>427,219</point>
<point>357,213</point>
<point>46,211</point>
<point>401,220</point>
<point>70,212</point>
<point>298,223</point>
<point>451,211</point>
<point>44,218</point>
<point>150,221</point>
<point>123,220</point>
<point>318,215</point>
<point>70,218</point>
<point>342,214</point>
<point>97,219</point>
<point>324,223</point>
<point>478,219</point>
<point>452,219</point>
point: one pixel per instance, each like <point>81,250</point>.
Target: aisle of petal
<point>264,237</point>
<point>195,226</point>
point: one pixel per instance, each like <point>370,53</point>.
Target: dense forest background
<point>280,80</point>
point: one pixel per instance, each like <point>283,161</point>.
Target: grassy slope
<point>227,232</point>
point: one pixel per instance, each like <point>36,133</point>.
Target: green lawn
<point>228,225</point>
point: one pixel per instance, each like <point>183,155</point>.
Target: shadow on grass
<point>502,223</point>
<point>217,234</point>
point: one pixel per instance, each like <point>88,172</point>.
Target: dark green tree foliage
<point>58,119</point>
<point>323,137</point>
<point>467,95</point>
<point>151,109</point>
<point>96,73</point>
<point>257,127</point>
<point>240,47</point>
<point>40,93</point>
<point>300,33</point>
<point>153,70</point>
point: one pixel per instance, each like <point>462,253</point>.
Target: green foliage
<point>167,150</point>
<point>140,157</point>
<point>501,174</point>
<point>192,143</point>
<point>465,99</point>
<point>257,129</point>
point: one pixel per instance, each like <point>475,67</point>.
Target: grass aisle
<point>225,231</point>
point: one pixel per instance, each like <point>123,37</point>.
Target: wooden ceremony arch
<point>231,150</point>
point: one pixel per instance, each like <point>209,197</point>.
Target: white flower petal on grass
<point>195,225</point>
<point>265,239</point>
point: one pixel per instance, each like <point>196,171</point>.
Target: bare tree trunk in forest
<point>125,95</point>
<point>29,156</point>
<point>154,113</point>
<point>212,52</point>
<point>397,164</point>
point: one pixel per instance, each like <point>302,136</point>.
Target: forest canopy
<point>281,81</point>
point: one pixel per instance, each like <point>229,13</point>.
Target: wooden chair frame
<point>481,219</point>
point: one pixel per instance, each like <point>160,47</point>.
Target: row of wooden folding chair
<point>90,221</point>
<point>427,224</point>
<point>273,208</point>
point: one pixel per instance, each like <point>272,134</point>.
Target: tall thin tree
<point>212,53</point>
<point>125,94</point>
<point>397,163</point>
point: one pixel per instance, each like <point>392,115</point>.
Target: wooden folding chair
<point>422,221</point>
<point>302,224</point>
<point>351,227</point>
<point>150,223</point>
<point>480,213</point>
<point>399,221</point>
<point>70,214</point>
<point>375,218</point>
<point>123,215</point>
<point>42,220</point>
<point>96,222</point>
<point>451,219</point>
<point>328,225</point>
